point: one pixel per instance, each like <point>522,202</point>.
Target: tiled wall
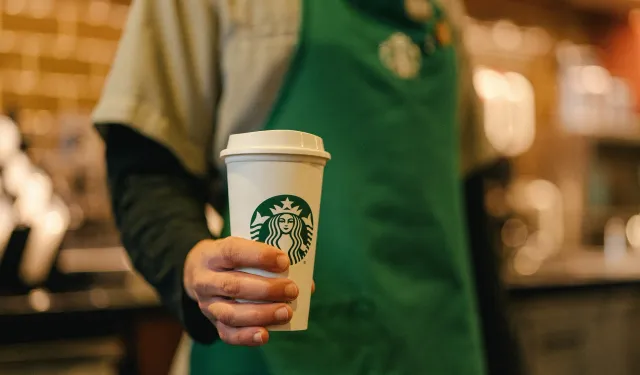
<point>54,57</point>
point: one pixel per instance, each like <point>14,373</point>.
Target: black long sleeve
<point>502,352</point>
<point>159,210</point>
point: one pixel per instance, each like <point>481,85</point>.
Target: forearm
<point>159,210</point>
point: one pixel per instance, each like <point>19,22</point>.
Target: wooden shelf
<point>616,138</point>
<point>628,137</point>
<point>607,6</point>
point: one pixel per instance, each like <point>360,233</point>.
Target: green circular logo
<point>285,222</point>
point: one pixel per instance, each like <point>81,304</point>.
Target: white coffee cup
<point>275,184</point>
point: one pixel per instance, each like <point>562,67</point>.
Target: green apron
<point>394,288</point>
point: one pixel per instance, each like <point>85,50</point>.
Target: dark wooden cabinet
<point>585,331</point>
<point>138,340</point>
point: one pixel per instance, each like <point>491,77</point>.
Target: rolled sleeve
<point>164,81</point>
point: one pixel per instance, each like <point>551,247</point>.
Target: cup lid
<point>275,142</point>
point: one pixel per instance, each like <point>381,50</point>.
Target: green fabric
<point>394,287</point>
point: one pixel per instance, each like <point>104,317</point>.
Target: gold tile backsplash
<point>54,58</point>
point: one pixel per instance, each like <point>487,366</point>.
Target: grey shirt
<point>190,73</point>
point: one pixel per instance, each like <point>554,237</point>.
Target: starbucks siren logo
<point>285,222</point>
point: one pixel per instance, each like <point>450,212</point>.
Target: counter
<point>578,315</point>
<point>578,269</point>
<point>133,293</point>
<point>575,315</point>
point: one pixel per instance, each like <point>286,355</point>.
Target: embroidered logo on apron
<point>401,55</point>
<point>285,222</point>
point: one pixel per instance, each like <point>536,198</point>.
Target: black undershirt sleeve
<point>502,352</point>
<point>159,210</point>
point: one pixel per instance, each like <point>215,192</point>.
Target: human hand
<point>211,279</point>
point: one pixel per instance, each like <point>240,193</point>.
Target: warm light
<point>507,35</point>
<point>519,88</point>
<point>633,231</point>
<point>540,246</point>
<point>214,220</point>
<point>526,263</point>
<point>476,38</point>
<point>522,116</point>
<point>595,79</point>
<point>509,110</point>
<point>537,40</point>
<point>495,202</point>
<point>615,239</point>
<point>99,298</point>
<point>489,84</point>
<point>9,139</point>
<point>542,194</point>
<point>16,172</point>
<point>574,77</point>
<point>7,224</point>
<point>54,222</point>
<point>543,203</point>
<point>514,233</point>
<point>100,260</point>
<point>34,196</point>
<point>39,300</point>
<point>47,232</point>
<point>568,53</point>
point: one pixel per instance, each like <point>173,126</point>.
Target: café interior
<point>559,81</point>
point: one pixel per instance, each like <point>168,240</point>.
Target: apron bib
<point>394,288</point>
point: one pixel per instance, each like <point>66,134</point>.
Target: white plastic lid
<point>275,142</point>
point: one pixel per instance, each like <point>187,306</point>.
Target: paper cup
<point>275,184</point>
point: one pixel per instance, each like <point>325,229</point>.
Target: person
<point>387,85</point>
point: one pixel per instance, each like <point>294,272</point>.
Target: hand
<point>211,280</point>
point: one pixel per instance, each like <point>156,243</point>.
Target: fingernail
<point>282,314</point>
<point>291,290</point>
<point>257,338</point>
<point>283,261</point>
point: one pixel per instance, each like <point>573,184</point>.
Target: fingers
<point>313,287</point>
<point>241,285</point>
<point>233,252</point>
<point>238,315</point>
<point>249,336</point>
<point>243,323</point>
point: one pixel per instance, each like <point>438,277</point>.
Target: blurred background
<point>560,85</point>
